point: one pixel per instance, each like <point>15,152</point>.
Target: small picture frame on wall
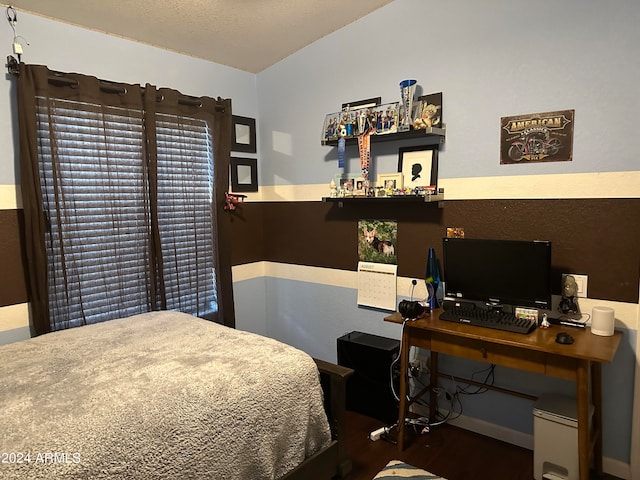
<point>419,166</point>
<point>390,181</point>
<point>244,174</point>
<point>243,134</point>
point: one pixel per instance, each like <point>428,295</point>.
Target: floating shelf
<point>436,134</point>
<point>341,201</point>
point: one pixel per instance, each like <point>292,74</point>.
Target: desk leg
<point>433,382</point>
<point>404,372</point>
<point>582,384</point>
<point>596,398</point>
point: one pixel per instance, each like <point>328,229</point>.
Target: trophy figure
<point>407,90</point>
<point>333,191</point>
<point>362,121</point>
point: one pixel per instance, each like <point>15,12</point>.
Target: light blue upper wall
<point>490,59</point>
<point>71,49</point>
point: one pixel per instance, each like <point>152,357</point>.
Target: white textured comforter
<point>159,395</point>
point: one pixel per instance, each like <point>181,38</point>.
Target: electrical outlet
<point>581,281</point>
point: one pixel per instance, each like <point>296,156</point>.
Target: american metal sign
<point>537,137</point>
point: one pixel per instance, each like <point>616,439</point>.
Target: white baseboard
<point>611,466</point>
<point>616,468</point>
<point>485,428</point>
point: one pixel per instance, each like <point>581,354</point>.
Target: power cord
<point>394,363</point>
<point>453,398</point>
<point>489,379</point>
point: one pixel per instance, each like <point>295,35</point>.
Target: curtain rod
<point>13,68</point>
<point>114,88</point>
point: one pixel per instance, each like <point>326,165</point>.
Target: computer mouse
<point>565,338</point>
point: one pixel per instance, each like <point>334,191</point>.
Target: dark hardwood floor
<point>449,451</point>
<point>452,452</point>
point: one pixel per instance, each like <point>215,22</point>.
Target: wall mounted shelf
<point>435,134</point>
<point>342,201</point>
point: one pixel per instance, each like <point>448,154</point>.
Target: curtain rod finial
<point>13,66</point>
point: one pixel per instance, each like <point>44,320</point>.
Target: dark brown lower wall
<point>13,288</point>
<point>596,237</point>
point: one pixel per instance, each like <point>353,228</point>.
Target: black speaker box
<point>369,388</point>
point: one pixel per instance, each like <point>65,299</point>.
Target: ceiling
<point>250,35</point>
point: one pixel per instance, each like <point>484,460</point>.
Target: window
<point>94,196</point>
<point>126,187</point>
<point>185,190</point>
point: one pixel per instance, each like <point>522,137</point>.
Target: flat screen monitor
<point>498,272</point>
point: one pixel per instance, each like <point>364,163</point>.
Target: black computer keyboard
<point>487,318</point>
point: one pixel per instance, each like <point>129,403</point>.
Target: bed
<point>168,395</point>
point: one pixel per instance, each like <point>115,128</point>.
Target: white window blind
<point>96,197</point>
<point>185,190</point>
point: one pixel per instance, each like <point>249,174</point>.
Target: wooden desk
<point>536,352</point>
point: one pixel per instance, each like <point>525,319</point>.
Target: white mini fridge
<point>555,438</point>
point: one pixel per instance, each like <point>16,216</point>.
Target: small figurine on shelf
<point>333,191</point>
<point>342,130</point>
<point>362,121</point>
<point>348,121</point>
<point>544,323</point>
<point>370,191</point>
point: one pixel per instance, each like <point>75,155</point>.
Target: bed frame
<point>331,462</point>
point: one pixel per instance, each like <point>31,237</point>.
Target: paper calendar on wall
<point>377,285</point>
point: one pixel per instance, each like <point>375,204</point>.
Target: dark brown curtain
<point>121,186</point>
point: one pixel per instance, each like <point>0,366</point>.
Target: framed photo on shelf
<point>430,114</point>
<point>419,166</point>
<point>244,174</point>
<point>390,181</point>
<point>243,134</point>
<point>330,127</point>
<point>386,118</point>
<point>347,182</point>
<point>358,188</point>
